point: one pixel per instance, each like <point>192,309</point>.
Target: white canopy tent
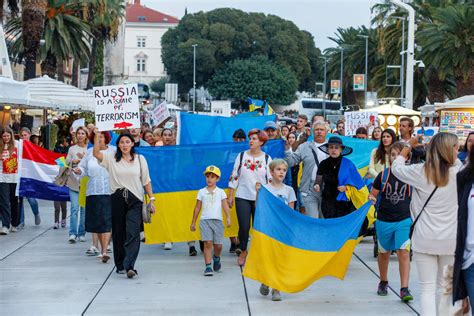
<point>63,97</point>
<point>466,101</point>
<point>16,93</point>
<point>392,109</point>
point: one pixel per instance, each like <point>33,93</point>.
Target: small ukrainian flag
<point>61,161</point>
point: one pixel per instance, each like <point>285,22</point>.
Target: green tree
<point>256,77</point>
<point>158,86</point>
<point>448,45</point>
<point>227,34</point>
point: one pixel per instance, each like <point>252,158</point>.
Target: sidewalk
<point>42,274</point>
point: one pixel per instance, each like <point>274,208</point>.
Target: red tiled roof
<point>138,13</point>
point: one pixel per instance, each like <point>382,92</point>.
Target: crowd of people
<point>413,186</point>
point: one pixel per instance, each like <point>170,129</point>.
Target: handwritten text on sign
<point>354,120</point>
<point>160,113</point>
<point>117,107</point>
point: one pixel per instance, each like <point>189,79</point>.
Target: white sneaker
<point>168,246</point>
<point>92,251</point>
<point>109,250</point>
<point>4,231</point>
<point>82,238</point>
<point>13,229</point>
<point>72,239</point>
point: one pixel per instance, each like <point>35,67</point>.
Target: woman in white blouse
<point>98,219</point>
<point>379,157</point>
<point>250,167</point>
<point>434,237</point>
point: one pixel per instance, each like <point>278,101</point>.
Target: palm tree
<point>105,18</point>
<point>32,17</point>
<point>12,5</point>
<point>64,34</point>
<point>448,45</point>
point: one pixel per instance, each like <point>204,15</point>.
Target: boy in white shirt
<point>212,200</point>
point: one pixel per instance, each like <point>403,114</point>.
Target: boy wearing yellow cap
<point>212,200</point>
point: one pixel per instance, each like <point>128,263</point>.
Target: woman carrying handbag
<point>434,195</point>
<point>128,173</point>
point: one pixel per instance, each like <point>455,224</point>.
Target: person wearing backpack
<point>392,198</point>
<point>433,210</point>
<point>250,167</point>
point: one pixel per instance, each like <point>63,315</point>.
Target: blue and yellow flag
<point>203,129</point>
<point>255,104</point>
<point>289,251</point>
<point>176,176</point>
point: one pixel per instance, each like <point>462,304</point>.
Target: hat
<point>214,170</point>
<point>270,124</point>
<point>334,140</point>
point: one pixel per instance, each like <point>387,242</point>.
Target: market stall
<point>457,116</point>
<point>389,115</point>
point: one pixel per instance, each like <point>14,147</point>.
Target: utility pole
<point>194,77</point>
<point>410,52</point>
<point>341,75</point>
<point>366,79</point>
<point>324,87</point>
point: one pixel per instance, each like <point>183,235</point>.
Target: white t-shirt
<point>469,248</point>
<point>284,193</point>
<point>211,203</point>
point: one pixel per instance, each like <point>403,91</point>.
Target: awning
<point>392,109</point>
<point>63,97</point>
<point>466,101</point>
<point>16,93</point>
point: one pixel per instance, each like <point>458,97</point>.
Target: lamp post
<point>402,54</point>
<point>341,74</point>
<point>324,87</point>
<point>194,77</point>
<point>410,52</point>
<point>366,79</point>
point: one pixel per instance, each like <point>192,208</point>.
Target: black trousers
<point>9,208</point>
<point>126,223</point>
<point>245,212</point>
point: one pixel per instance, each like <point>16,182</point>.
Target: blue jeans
<point>468,276</point>
<point>34,208</point>
<point>73,229</point>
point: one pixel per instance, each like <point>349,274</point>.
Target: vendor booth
<point>389,115</point>
<point>457,116</point>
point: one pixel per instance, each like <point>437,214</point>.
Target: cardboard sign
<point>117,107</point>
<point>160,113</point>
<point>354,120</point>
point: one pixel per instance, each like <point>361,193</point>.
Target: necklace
<point>335,165</point>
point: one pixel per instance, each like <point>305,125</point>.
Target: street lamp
<point>324,87</point>
<point>366,65</point>
<point>194,77</point>
<point>402,72</point>
<point>341,74</point>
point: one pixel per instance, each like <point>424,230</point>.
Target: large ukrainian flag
<point>289,251</point>
<point>177,174</point>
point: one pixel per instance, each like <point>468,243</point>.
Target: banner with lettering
<point>354,120</point>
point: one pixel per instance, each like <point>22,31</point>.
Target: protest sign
<point>117,107</point>
<point>426,132</point>
<point>354,120</point>
<point>77,123</point>
<point>160,113</point>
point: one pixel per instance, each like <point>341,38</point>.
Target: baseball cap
<point>214,170</point>
<point>270,124</point>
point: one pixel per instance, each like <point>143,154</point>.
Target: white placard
<point>160,113</point>
<point>354,120</point>
<point>426,132</point>
<point>117,107</point>
<point>77,123</point>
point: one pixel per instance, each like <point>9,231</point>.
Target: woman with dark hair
<point>463,275</point>
<point>167,137</point>
<point>98,219</point>
<point>377,133</point>
<point>361,133</point>
<point>73,158</point>
<point>284,131</point>
<point>379,157</point>
<point>148,137</point>
<point>128,174</point>
<point>9,211</point>
<point>464,154</point>
<point>250,168</point>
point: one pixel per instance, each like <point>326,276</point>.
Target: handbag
<point>412,227</point>
<point>146,207</point>
<point>63,175</point>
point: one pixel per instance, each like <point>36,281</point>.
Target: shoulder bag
<point>146,207</point>
<point>412,227</point>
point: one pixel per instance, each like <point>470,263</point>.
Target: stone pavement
<point>42,274</point>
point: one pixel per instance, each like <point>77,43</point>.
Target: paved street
<point>42,274</point>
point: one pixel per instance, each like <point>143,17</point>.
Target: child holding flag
<point>212,200</point>
<point>393,224</point>
<point>278,169</point>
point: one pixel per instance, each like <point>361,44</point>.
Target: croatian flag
<point>37,172</point>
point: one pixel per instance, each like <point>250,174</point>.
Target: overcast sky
<point>320,17</point>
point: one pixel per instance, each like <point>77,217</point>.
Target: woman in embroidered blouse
<point>98,219</point>
<point>9,211</point>
<point>250,167</point>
